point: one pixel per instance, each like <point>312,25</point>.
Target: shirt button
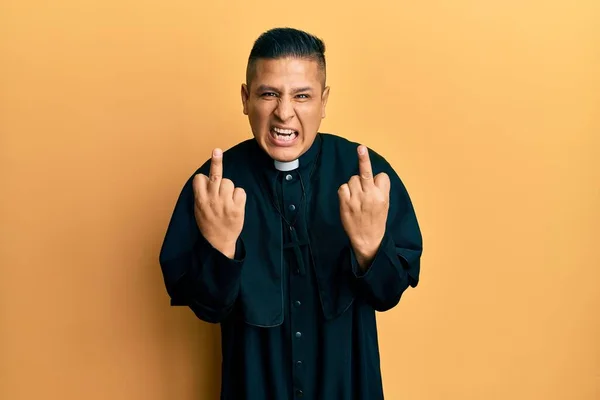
<point>296,271</point>
<point>299,393</point>
<point>288,177</point>
<point>297,303</point>
<point>298,334</point>
<point>298,364</point>
<point>292,207</point>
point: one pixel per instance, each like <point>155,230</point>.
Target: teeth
<point>283,131</point>
<point>284,138</point>
<point>284,135</point>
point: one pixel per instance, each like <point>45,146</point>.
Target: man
<point>292,240</point>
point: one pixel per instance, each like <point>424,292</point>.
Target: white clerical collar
<point>286,166</point>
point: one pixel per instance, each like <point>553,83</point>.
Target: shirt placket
<point>292,196</point>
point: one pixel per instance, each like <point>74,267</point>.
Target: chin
<point>284,155</point>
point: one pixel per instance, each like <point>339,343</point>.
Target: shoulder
<point>233,158</point>
<point>346,151</point>
<point>344,154</point>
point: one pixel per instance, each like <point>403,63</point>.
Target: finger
<point>239,196</point>
<point>365,170</point>
<point>355,185</point>
<point>226,189</point>
<point>199,185</point>
<point>344,193</point>
<point>216,171</point>
<point>382,181</point>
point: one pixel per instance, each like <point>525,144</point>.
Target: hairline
<point>251,66</point>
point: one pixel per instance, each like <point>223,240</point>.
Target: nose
<point>284,110</point>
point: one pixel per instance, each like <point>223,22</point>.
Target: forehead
<point>287,72</point>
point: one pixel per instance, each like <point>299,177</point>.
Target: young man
<point>292,240</point>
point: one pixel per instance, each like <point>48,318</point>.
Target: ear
<point>245,95</point>
<point>324,98</point>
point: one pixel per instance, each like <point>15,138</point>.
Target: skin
<point>364,206</point>
<point>289,93</point>
<point>285,92</point>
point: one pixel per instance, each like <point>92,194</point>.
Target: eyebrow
<point>267,88</point>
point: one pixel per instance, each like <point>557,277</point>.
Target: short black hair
<point>286,42</point>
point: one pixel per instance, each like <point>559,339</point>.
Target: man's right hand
<point>219,207</point>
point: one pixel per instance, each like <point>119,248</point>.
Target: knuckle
<point>214,204</point>
<point>198,180</point>
<point>353,205</point>
<point>199,199</point>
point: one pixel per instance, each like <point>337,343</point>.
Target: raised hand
<point>219,207</point>
<point>364,205</point>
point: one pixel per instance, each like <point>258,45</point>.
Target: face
<point>285,104</point>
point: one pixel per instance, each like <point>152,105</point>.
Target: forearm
<point>209,282</point>
<point>383,277</point>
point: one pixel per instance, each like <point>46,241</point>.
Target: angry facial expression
<point>285,102</point>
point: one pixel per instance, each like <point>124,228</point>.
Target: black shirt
<point>297,314</point>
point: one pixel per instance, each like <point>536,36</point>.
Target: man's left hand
<point>364,205</point>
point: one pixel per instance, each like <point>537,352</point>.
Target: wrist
<point>226,248</point>
<point>363,260</point>
<point>229,250</point>
<point>365,252</point>
<point>363,257</point>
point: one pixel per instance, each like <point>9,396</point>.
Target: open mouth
<point>283,135</point>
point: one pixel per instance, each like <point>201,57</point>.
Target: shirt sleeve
<point>195,273</point>
<point>211,282</point>
<point>397,263</point>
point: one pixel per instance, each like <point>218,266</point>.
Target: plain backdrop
<point>488,110</point>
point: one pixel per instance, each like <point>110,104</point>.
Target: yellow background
<point>488,110</point>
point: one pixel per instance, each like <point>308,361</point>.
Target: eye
<point>268,94</point>
<point>303,96</point>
